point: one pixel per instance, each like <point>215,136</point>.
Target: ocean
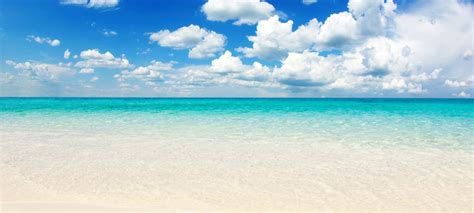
<point>238,153</point>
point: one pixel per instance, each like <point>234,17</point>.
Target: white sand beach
<point>100,172</point>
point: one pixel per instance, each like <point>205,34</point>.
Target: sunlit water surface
<point>238,154</point>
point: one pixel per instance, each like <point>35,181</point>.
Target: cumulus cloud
<point>202,43</point>
<point>274,39</point>
<point>227,63</point>
<point>92,3</point>
<point>225,70</point>
<point>242,11</point>
<point>438,33</point>
<point>86,71</point>
<point>150,73</point>
<point>380,50</point>
<point>377,65</point>
<point>46,40</point>
<point>344,30</point>
<point>67,53</point>
<point>6,77</point>
<point>92,58</point>
<point>423,77</point>
<point>370,49</point>
<point>237,72</point>
<point>370,61</point>
<point>194,76</point>
<point>402,86</point>
<point>201,77</point>
<point>373,16</point>
<point>338,30</point>
<point>126,87</point>
<point>455,84</point>
<point>460,84</point>
<point>42,71</point>
<point>230,69</point>
<point>462,94</point>
<point>307,69</point>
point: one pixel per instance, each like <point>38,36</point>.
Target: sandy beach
<point>231,155</point>
<point>140,176</point>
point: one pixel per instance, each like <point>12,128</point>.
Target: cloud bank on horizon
<point>370,48</point>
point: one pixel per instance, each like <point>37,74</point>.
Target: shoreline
<point>380,182</point>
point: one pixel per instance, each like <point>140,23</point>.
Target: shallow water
<point>240,154</point>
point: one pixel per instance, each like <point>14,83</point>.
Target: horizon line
<point>219,97</point>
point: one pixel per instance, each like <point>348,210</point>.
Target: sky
<point>237,48</point>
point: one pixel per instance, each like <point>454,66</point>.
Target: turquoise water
<point>434,123</point>
<point>239,154</point>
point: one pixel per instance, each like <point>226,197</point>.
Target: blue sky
<point>324,48</point>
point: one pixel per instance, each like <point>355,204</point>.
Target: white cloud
<point>10,62</point>
<point>402,86</point>
<point>438,33</point>
<point>459,84</point>
<point>424,50</point>
<point>361,7</point>
<point>242,11</point>
<point>67,53</point>
<point>182,38</point>
<point>203,77</point>
<point>126,87</point>
<point>423,77</point>
<point>6,77</point>
<point>86,71</point>
<point>109,33</point>
<point>382,56</point>
<point>462,94</point>
<point>365,19</point>
<point>42,71</point>
<point>55,42</point>
<point>95,54</point>
<point>308,2</point>
<point>373,16</point>
<point>338,30</point>
<point>227,63</point>
<point>40,40</point>
<point>377,65</point>
<point>92,3</point>
<point>95,78</point>
<point>274,39</point>
<point>237,72</point>
<point>209,46</point>
<point>455,84</point>
<point>225,70</point>
<point>257,72</point>
<point>307,69</point>
<point>202,43</point>
<point>381,51</point>
<point>467,55</point>
<point>344,30</point>
<point>149,74</point>
<point>194,76</point>
<point>92,58</point>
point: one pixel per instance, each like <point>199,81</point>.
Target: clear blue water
<point>242,154</point>
<point>433,123</point>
